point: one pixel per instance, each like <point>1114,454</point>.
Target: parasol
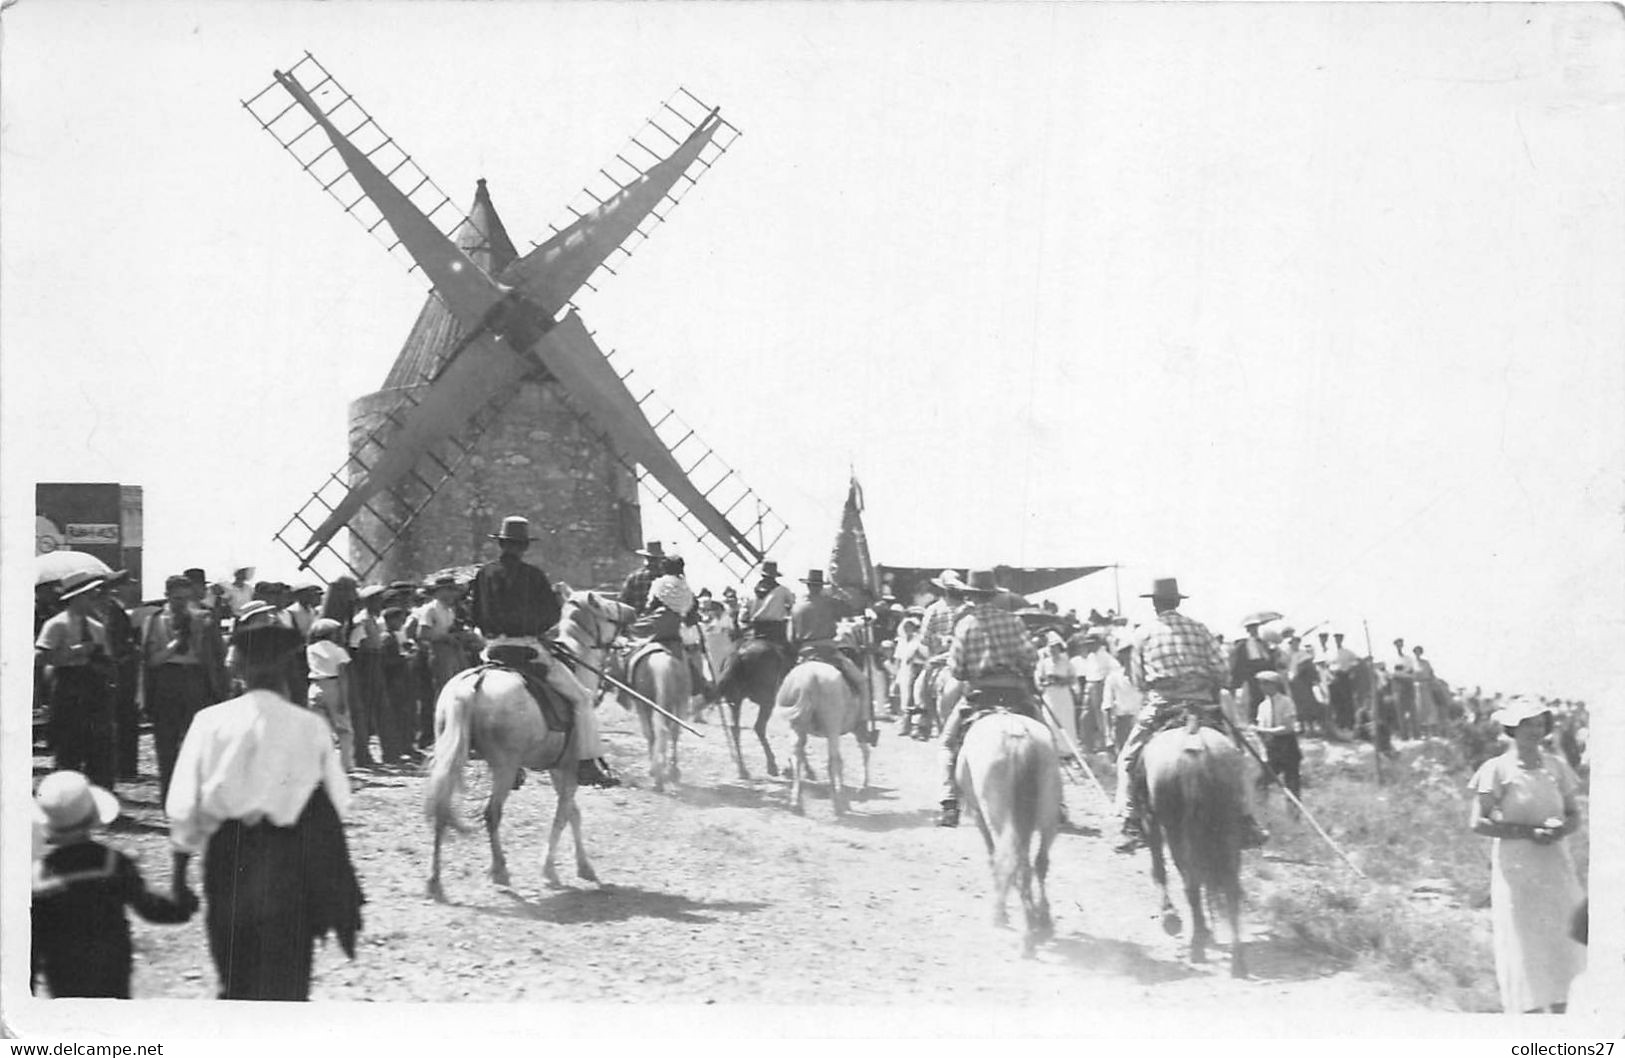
<point>54,565</point>
<point>1260,617</point>
<point>1035,618</point>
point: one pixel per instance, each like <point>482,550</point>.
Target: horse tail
<point>450,752</point>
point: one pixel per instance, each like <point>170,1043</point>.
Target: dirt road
<point>716,893</point>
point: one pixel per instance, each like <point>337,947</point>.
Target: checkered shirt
<point>937,627</point>
<point>1177,656</point>
<point>989,641</point>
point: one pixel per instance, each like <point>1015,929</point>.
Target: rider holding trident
<point>513,605</point>
<point>992,653</point>
<point>1176,663</point>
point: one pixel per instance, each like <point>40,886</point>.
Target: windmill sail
<point>509,327</point>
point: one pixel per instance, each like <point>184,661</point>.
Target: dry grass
<point>1420,919</point>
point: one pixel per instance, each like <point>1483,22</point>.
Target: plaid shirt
<point>989,641</point>
<point>937,628</point>
<point>1177,657</point>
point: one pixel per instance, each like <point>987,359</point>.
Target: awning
<point>904,581</point>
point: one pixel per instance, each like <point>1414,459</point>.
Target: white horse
<point>1010,780</point>
<point>493,711</point>
<point>662,676</point>
<point>816,699</point>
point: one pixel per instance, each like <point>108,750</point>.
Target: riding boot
<point>949,816</point>
<point>595,773</point>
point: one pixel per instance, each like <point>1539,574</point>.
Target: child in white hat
<point>81,887</point>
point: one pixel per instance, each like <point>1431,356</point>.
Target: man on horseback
<point>635,592</point>
<point>936,632</point>
<point>513,605</point>
<point>1177,664</point>
<point>992,653</point>
<point>768,612</point>
<point>814,627</point>
<point>671,606</point>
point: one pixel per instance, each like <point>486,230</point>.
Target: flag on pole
<point>851,571</point>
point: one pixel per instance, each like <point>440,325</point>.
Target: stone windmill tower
<point>501,401</point>
<point>535,457</point>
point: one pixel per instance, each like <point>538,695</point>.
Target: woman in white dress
<point>1058,680</point>
<point>1525,800</point>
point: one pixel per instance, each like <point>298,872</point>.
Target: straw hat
<point>67,804</point>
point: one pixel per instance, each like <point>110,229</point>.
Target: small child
<point>1278,725</point>
<point>326,660</point>
<point>81,933</point>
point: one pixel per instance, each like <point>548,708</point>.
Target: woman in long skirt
<point>258,790</point>
<point>1525,800</point>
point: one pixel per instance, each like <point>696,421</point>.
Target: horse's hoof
<point>1198,954</point>
<point>1029,949</point>
<point>772,769</point>
<point>587,874</point>
<point>1171,923</point>
<point>434,892</point>
<point>798,810</point>
<point>1238,968</point>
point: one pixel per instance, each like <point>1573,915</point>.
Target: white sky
<point>1315,307</point>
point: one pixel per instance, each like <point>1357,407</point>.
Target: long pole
<point>1241,738</point>
<point>1072,749</point>
<point>567,654</point>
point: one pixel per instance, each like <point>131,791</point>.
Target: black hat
<point>982,582</point>
<point>1165,588</point>
<point>770,568</point>
<point>653,549</point>
<point>514,528</point>
<point>814,578</point>
<point>266,646</point>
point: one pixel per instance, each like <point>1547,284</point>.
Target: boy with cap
<point>81,936</point>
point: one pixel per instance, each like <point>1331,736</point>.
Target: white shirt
<point>256,757</point>
<point>1120,697</point>
<point>1095,666</point>
<point>1277,710</point>
<point>325,657</point>
<point>434,616</point>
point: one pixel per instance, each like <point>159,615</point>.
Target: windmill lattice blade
<point>466,384</point>
<point>278,112</point>
<point>662,136</point>
<point>596,391</point>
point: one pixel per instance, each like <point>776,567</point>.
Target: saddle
<point>559,714</point>
<point>648,647</point>
<point>830,654</point>
<point>985,700</point>
<point>1190,718</point>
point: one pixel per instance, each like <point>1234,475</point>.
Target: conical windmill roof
<point>436,331</point>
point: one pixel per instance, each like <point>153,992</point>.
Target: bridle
<point>590,629</point>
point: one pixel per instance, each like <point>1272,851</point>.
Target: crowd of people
<point>261,696</point>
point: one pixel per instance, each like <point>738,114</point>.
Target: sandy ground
<point>717,893</point>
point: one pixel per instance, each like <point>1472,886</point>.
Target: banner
<point>851,571</point>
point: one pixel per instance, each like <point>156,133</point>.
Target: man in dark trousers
<point>513,605</point>
<point>74,644</point>
<point>125,646</point>
<point>183,661</point>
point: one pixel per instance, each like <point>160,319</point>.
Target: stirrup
<point>949,816</point>
<point>595,773</point>
<point>1133,837</point>
<point>1253,836</point>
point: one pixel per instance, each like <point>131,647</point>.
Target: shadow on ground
<point>1103,954</point>
<point>615,903</point>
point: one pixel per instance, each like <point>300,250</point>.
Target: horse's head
<point>597,618</point>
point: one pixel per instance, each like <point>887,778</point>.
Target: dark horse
<point>1197,797</point>
<point>754,671</point>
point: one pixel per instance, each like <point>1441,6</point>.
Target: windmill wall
<point>537,459</point>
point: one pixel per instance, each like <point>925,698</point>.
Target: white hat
<point>1519,707</point>
<point>66,803</point>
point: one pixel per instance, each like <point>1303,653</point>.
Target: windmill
<point>518,323</point>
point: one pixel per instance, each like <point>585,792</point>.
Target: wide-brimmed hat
<point>323,627</point>
<point>301,587</point>
<point>67,803</point>
<point>1052,638</point>
<point>76,584</point>
<point>1269,676</point>
<point>514,528</point>
<point>118,576</point>
<point>949,580</point>
<point>371,591</point>
<point>982,582</point>
<point>445,580</point>
<point>1519,707</point>
<point>814,578</point>
<point>1165,588</point>
<point>653,549</point>
<point>770,568</point>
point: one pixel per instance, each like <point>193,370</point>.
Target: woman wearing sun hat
<point>1525,800</point>
<point>80,888</point>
